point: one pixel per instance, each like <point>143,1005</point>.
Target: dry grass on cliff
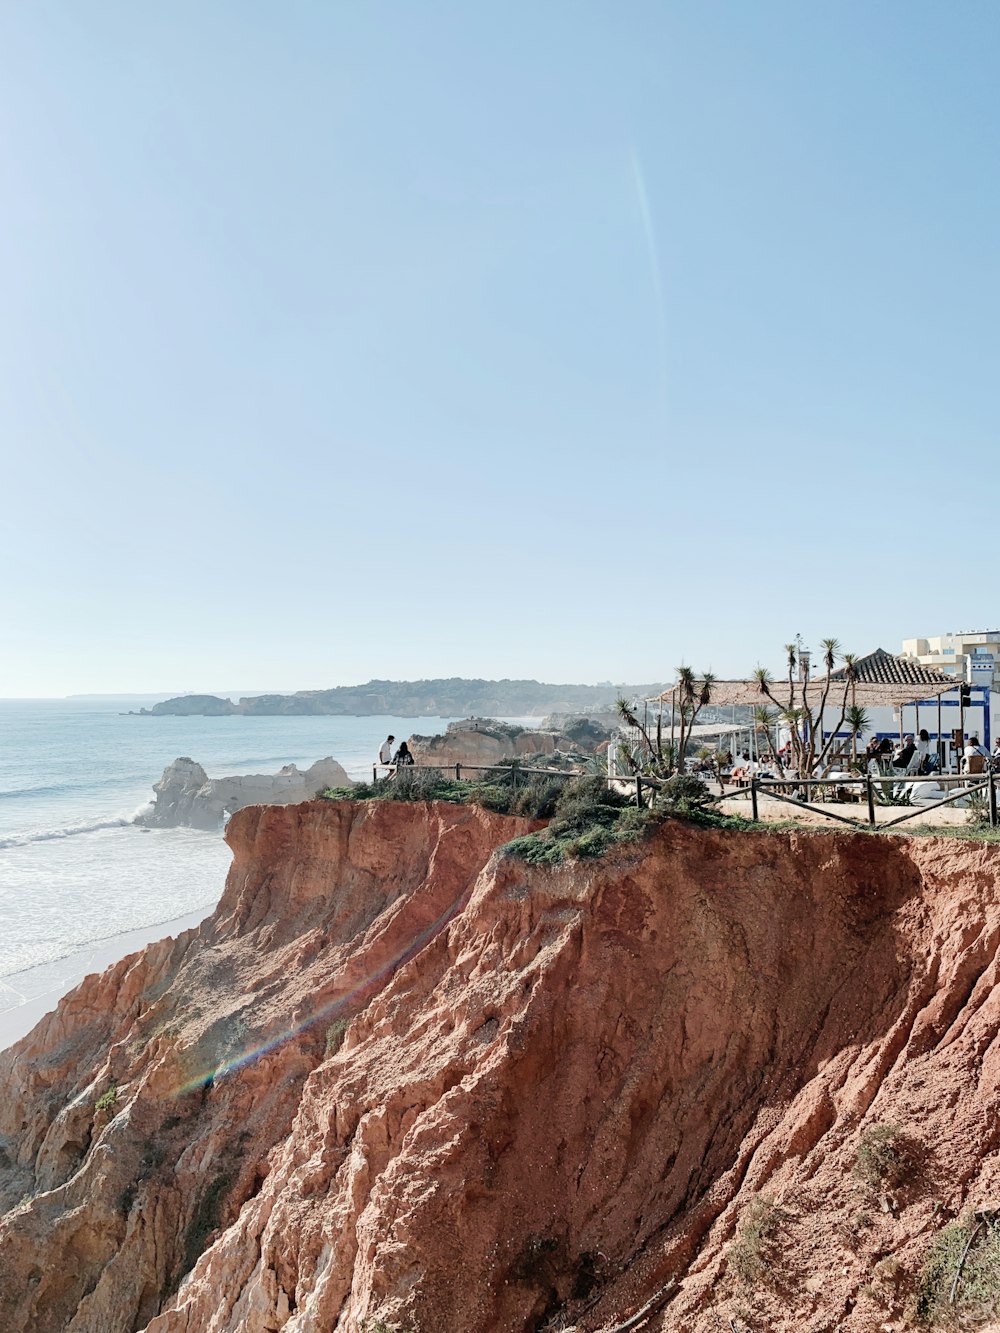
<point>959,1284</point>
<point>887,1158</point>
<point>752,1253</point>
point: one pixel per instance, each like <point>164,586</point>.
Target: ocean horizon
<point>75,870</point>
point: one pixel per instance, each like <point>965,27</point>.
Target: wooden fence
<point>457,771</point>
<point>873,790</point>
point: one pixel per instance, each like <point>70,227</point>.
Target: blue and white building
<point>944,704</point>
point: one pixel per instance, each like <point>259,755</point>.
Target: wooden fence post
<point>458,772</point>
<point>753,800</point>
<point>638,791</point>
<point>871,799</point>
<point>993,799</point>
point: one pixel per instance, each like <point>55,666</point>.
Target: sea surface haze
<point>74,868</point>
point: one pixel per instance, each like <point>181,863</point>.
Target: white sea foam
<point>74,868</point>
<point>67,831</point>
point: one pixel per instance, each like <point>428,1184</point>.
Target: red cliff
<point>398,1081</point>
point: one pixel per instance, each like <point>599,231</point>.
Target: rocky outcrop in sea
<point>186,795</point>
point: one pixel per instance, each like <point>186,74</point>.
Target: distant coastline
<point>454,697</point>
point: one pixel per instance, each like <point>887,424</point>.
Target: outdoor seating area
<point>821,744</point>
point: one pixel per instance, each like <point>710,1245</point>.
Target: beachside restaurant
<point>898,694</point>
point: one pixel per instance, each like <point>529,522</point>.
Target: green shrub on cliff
<point>419,784</point>
<point>959,1284</point>
<point>753,1252</point>
<point>586,820</point>
<point>506,790</point>
<point>107,1099</point>
<point>586,817</point>
<point>886,1158</point>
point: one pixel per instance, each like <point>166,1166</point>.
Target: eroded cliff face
<point>397,1078</point>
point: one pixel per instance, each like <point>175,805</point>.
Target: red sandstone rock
<point>459,1094</point>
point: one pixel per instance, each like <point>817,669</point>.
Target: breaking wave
<point>71,830</point>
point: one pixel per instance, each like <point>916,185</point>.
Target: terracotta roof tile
<point>882,668</point>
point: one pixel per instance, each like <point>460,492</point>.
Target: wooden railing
<point>457,770</point>
<point>781,789</point>
<point>871,788</point>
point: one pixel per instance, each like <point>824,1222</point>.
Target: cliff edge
<point>399,1081</point>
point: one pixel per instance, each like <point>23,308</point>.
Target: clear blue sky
<point>568,340</point>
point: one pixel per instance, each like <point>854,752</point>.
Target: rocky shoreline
<point>186,796</point>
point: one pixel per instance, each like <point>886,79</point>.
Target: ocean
<point>75,870</point>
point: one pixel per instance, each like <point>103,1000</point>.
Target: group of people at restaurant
<point>913,758</point>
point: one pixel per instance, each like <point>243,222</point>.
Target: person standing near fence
<point>385,753</point>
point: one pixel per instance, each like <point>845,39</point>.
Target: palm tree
<point>792,659</point>
<point>686,694</point>
<point>689,696</point>
<point>712,759</point>
<point>624,710</point>
<point>831,651</point>
<point>810,752</point>
<point>693,695</point>
<point>850,681</point>
<point>858,722</point>
<point>628,716</point>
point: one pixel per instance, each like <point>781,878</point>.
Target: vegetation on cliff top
<point>586,817</point>
<point>506,790</point>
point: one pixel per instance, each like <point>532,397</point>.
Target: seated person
<point>903,757</point>
<point>878,751</point>
<point>974,756</point>
<point>403,755</point>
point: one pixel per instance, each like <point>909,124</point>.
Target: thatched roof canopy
<point>882,680</point>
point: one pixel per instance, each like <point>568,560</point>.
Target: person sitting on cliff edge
<point>385,753</point>
<point>403,755</point>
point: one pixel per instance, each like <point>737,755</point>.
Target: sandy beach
<point>27,996</point>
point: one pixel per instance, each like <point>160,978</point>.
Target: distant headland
<point>454,697</point>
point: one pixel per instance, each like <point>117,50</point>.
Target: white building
<point>968,708</point>
<point>972,655</point>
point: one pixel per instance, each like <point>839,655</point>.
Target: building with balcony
<point>971,655</point>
